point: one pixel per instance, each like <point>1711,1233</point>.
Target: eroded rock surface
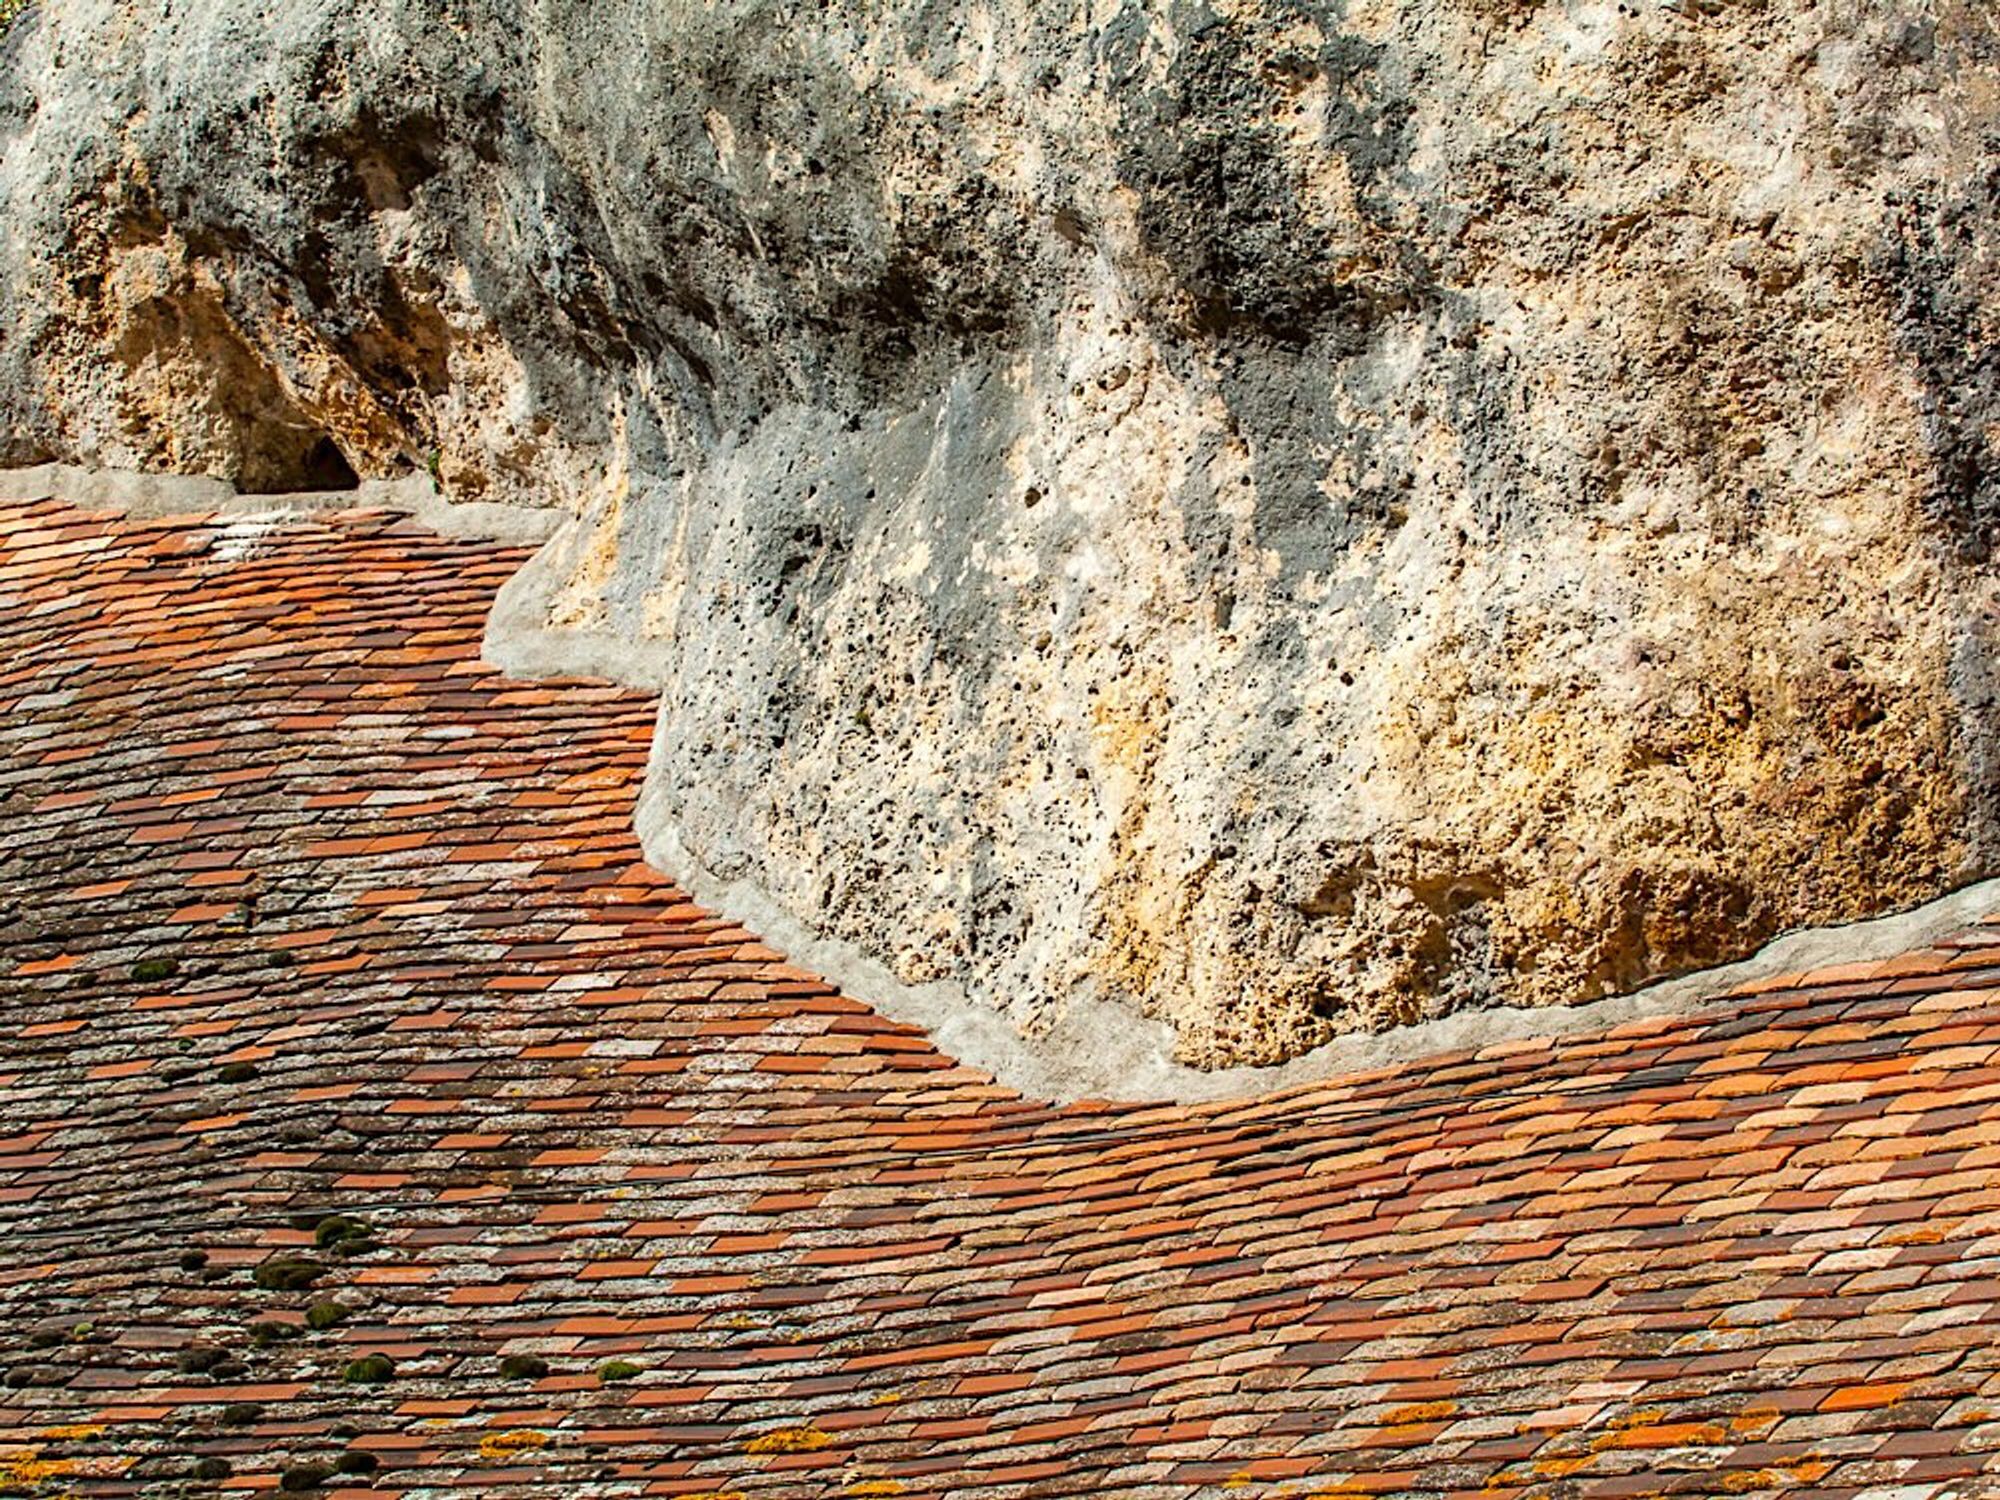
<point>1294,517</point>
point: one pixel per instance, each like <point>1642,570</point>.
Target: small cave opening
<point>322,466</point>
<point>288,458</point>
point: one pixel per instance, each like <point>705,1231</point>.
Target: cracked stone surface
<point>1290,517</point>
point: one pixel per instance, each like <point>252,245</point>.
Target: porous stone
<point>1291,517</point>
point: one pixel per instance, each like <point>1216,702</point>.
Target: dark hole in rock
<point>321,467</point>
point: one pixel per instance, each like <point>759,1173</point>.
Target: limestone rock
<point>1290,516</point>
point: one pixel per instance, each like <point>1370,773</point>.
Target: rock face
<point>1291,516</point>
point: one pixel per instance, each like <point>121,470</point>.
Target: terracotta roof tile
<point>343,1019</point>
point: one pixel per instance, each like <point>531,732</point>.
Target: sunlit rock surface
<point>1290,517</point>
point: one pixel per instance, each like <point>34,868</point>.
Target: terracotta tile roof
<point>365,1099</point>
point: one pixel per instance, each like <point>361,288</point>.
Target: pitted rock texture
<point>1293,517</point>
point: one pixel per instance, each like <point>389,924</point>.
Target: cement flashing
<point>1098,1050</point>
<point>133,493</point>
<point>1101,1050</point>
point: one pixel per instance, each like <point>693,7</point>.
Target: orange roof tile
<point>498,1103</point>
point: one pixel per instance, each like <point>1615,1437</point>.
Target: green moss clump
<point>343,1236</point>
<point>193,1260</point>
<point>333,1230</point>
<point>523,1367</point>
<point>269,1331</point>
<point>153,970</point>
<point>301,1477</point>
<point>370,1369</point>
<point>619,1369</point>
<point>241,1414</point>
<point>197,1360</point>
<point>210,1468</point>
<point>288,1273</point>
<point>323,1315</point>
<point>356,1462</point>
<point>237,1072</point>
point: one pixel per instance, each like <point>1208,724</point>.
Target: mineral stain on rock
<point>1292,517</point>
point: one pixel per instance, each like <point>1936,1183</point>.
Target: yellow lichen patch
<point>1640,1416</point>
<point>874,1487</point>
<point>505,1444</point>
<point>1782,1477</point>
<point>1420,1413</point>
<point>1660,1435</point>
<point>1754,1422</point>
<point>26,1466</point>
<point>886,1398</point>
<point>74,1432</point>
<point>1744,1481</point>
<point>1560,1466</point>
<point>1542,1468</point>
<point>788,1440</point>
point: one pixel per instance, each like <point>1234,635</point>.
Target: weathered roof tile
<point>343,1018</point>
